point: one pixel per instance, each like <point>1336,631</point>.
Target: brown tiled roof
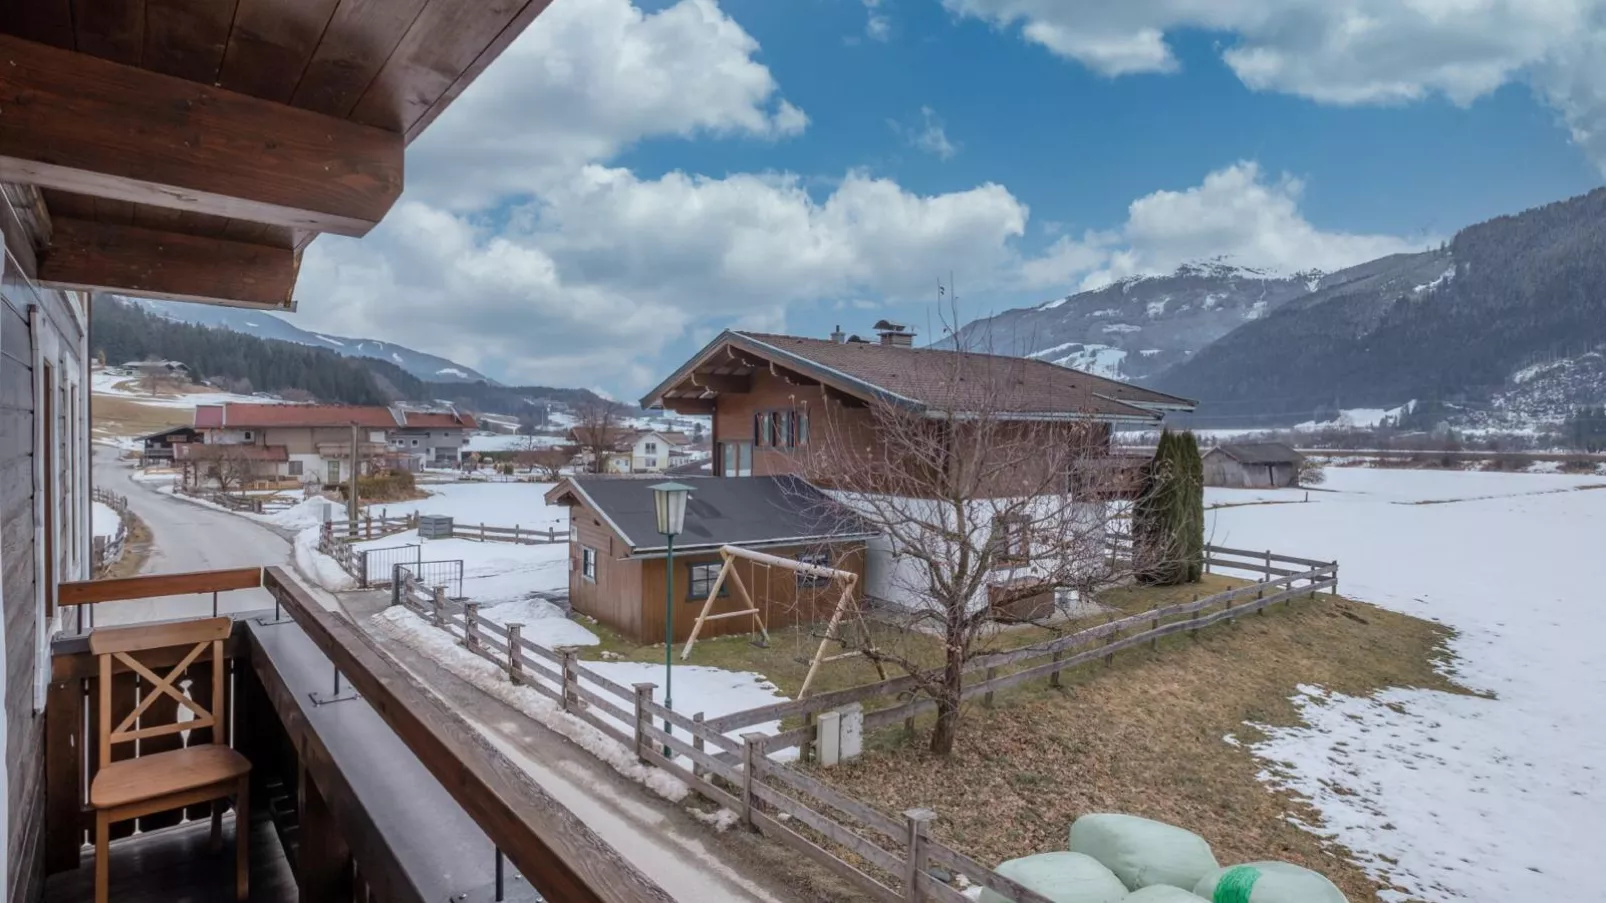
<point>260,416</point>
<point>441,420</point>
<point>957,381</point>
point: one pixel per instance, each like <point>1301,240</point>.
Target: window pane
<point>802,427</point>
<point>746,467</point>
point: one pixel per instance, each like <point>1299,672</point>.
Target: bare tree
<point>547,461</point>
<point>598,431</point>
<point>995,500</point>
<point>231,467</point>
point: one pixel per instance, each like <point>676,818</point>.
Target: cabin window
<point>818,559</point>
<point>588,564</point>
<point>294,468</point>
<point>701,579</point>
<point>247,434</point>
<point>651,448</point>
<point>1011,543</point>
<point>736,459</point>
<point>781,429</point>
<point>800,431</point>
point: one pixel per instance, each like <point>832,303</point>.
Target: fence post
<point>752,754</point>
<point>1194,616</point>
<point>1268,564</point>
<point>567,678</point>
<point>696,744</point>
<point>987,700</point>
<point>1335,578</point>
<point>1155,643</point>
<point>515,655</point>
<point>919,824</point>
<point>482,531</point>
<point>471,626</point>
<point>805,751</point>
<point>515,532</point>
<point>1054,676</point>
<point>1109,660</point>
<point>395,584</point>
<point>643,696</point>
<point>437,606</point>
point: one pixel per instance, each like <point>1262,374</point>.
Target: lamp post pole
<point>669,637</point>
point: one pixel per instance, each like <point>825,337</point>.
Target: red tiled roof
<point>946,380</point>
<point>259,416</point>
<point>441,420</point>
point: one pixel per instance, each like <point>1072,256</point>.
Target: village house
<point>1252,465</point>
<point>617,448</point>
<point>618,571</point>
<point>655,451</point>
<point>290,443</point>
<point>794,406</point>
<point>156,449</point>
<point>432,438</point>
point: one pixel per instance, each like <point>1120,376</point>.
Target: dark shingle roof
<point>738,510</point>
<point>1260,452</point>
<point>946,380</point>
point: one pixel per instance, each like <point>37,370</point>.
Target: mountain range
<point>1504,324</point>
<point>263,325</point>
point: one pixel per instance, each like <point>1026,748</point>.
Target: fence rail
<point>515,533</point>
<point>882,857</point>
<point>777,800</point>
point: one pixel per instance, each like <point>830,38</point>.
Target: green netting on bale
<point>1272,882</point>
<point>1143,852</point>
<point>1236,885</point>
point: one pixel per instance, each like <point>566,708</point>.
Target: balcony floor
<point>173,865</point>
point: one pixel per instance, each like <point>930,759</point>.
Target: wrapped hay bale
<point>1267,882</point>
<point>1143,852</point>
<point>1162,893</point>
<point>1061,877</point>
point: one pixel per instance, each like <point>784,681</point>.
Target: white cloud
<point>1344,51</point>
<point>608,268</point>
<point>928,135</point>
<point>1237,213</point>
<point>585,81</point>
<point>877,25</point>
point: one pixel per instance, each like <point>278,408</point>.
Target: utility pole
<point>351,493</point>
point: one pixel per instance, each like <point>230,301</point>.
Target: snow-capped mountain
<point>1142,325</point>
<point>427,367</point>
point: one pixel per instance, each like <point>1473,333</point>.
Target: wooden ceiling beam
<point>90,126</point>
<point>95,256</point>
<point>725,385</point>
<point>689,405</point>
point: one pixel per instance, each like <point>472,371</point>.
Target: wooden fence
<point>104,551</point>
<point>335,539</point>
<point>1048,659</point>
<point>515,533</point>
<point>883,857</point>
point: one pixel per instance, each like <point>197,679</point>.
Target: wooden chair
<point>161,781</point>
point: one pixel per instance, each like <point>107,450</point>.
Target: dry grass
<point>117,416</point>
<point>136,549</point>
<point>1146,737</point>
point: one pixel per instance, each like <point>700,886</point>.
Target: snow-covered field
<point>493,572</point>
<point>103,520</point>
<point>496,504</point>
<point>1459,797</point>
<point>122,384</point>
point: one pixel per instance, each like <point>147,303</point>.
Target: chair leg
<point>103,870</point>
<point>242,840</point>
<point>216,842</point>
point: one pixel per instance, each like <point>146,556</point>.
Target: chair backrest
<point>118,643</point>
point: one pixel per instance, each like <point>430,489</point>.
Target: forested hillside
<point>1457,324</point>
<point>126,332</point>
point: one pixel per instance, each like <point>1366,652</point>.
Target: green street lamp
<point>669,500</point>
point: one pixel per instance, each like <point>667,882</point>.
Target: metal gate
<point>430,574</point>
<point>379,565</point>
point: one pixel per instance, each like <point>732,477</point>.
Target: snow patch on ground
<point>1122,328</point>
<point>1050,305</point>
<point>317,566</point>
<point>103,520</point>
<point>451,371</point>
<point>494,504</point>
<point>545,624</point>
<point>493,572</point>
<point>1467,797</point>
<point>1430,286</point>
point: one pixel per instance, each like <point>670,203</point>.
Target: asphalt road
<point>186,537</point>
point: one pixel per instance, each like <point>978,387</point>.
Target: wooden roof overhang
<point>726,366</point>
<point>192,149</point>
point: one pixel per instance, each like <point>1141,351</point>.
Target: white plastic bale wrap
<point>1143,852</point>
<point>1162,893</point>
<point>1063,878</point>
<point>1278,882</point>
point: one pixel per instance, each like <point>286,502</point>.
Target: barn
<point>1252,465</point>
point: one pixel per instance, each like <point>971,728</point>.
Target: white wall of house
<point>652,453</point>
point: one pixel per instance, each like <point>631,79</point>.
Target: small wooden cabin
<point>1252,465</point>
<point>156,450</point>
<point>617,557</point>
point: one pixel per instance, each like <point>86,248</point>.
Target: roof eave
<point>654,552</point>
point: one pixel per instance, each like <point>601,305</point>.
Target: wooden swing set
<point>845,581</point>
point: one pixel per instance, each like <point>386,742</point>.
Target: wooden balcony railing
<point>387,791</point>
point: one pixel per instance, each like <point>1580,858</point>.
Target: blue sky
<point>630,178</point>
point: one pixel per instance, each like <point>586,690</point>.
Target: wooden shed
<point>617,557</point>
<point>1252,465</point>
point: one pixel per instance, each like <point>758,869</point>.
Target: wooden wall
<point>613,598</point>
<point>60,318</point>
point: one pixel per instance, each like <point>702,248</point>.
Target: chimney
<point>894,334</point>
<point>838,336</point>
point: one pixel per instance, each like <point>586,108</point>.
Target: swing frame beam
<point>846,580</point>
